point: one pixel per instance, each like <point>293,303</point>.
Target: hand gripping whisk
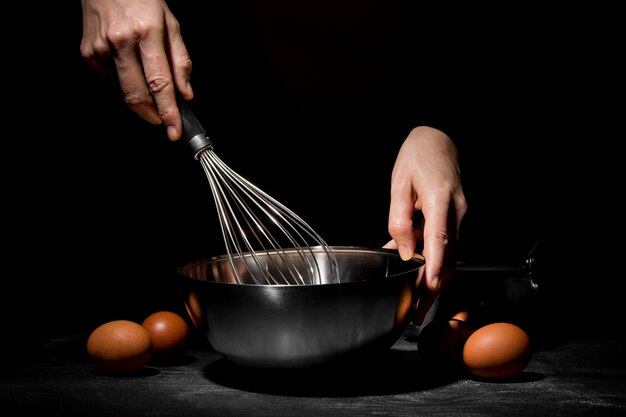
<point>266,242</point>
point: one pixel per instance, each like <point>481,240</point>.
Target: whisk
<point>266,242</point>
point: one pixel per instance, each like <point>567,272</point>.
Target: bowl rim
<point>417,258</point>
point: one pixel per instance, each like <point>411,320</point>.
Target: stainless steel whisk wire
<point>240,206</point>
<point>228,186</point>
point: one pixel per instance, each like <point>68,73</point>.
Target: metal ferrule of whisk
<point>200,143</point>
<point>266,242</point>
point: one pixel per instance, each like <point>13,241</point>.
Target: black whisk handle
<point>193,132</point>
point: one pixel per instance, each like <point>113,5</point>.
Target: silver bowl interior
<point>290,326</point>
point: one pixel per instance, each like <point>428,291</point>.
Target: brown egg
<point>462,315</point>
<point>441,342</point>
<point>120,346</point>
<point>168,332</point>
<point>497,350</point>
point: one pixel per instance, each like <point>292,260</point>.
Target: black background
<point>102,208</point>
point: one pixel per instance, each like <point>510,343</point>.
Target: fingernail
<point>436,283</point>
<point>405,252</point>
<point>172,133</point>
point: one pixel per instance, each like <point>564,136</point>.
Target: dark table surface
<point>55,376</point>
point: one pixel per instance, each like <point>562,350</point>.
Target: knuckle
<point>135,99</point>
<point>166,113</point>
<point>93,50</point>
<point>184,63</point>
<point>440,237</point>
<point>119,36</point>
<point>462,206</point>
<point>157,83</point>
<point>100,48</point>
<point>86,51</point>
<point>397,229</point>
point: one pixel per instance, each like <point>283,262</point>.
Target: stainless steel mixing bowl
<point>289,326</point>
